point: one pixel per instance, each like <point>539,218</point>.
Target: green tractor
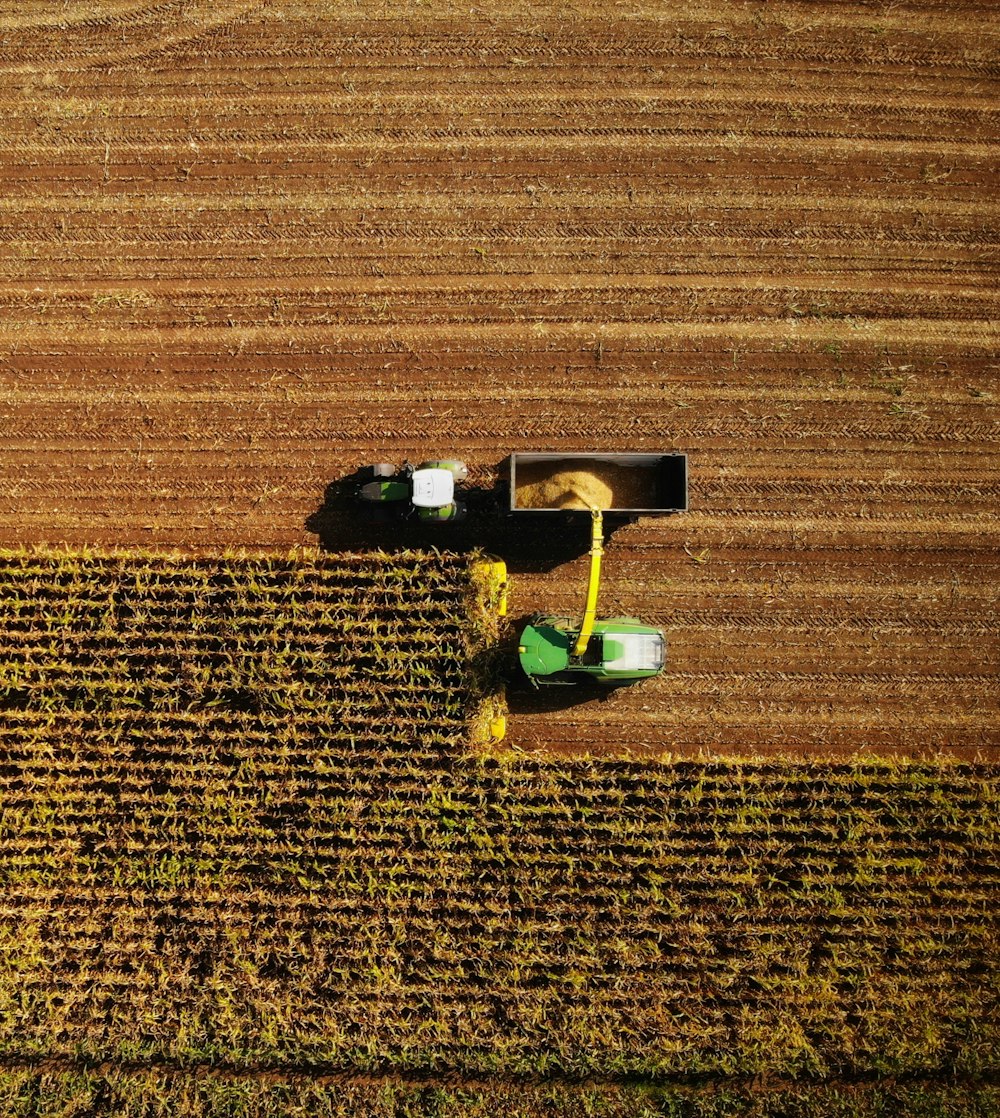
<point>425,492</point>
<point>613,653</point>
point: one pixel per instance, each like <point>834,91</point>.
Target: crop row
<point>769,798</point>
<point>373,640</point>
<point>512,913</point>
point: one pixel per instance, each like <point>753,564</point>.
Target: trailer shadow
<point>528,544</point>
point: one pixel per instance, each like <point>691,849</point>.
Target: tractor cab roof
<point>433,488</point>
<point>633,651</point>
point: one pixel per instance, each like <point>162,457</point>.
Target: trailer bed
<point>635,484</point>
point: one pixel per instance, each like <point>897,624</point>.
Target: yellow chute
<point>590,612</point>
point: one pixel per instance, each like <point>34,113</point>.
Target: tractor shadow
<point>550,700</point>
<point>528,543</point>
<point>344,523</point>
<point>524,698</point>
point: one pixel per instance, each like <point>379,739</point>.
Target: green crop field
<point>253,865</point>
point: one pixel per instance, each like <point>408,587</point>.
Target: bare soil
<point>246,249</point>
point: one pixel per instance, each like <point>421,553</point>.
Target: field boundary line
<point>417,142</point>
<point>334,200</point>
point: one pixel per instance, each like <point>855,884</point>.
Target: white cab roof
<point>639,652</point>
<point>433,489</point>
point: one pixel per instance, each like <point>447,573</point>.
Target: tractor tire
<point>384,469</point>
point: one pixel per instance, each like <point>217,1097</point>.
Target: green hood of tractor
<point>544,649</point>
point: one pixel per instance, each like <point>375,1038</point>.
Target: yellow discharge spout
<point>590,613</point>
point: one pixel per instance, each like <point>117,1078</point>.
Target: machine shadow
<point>528,544</point>
<point>548,700</point>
